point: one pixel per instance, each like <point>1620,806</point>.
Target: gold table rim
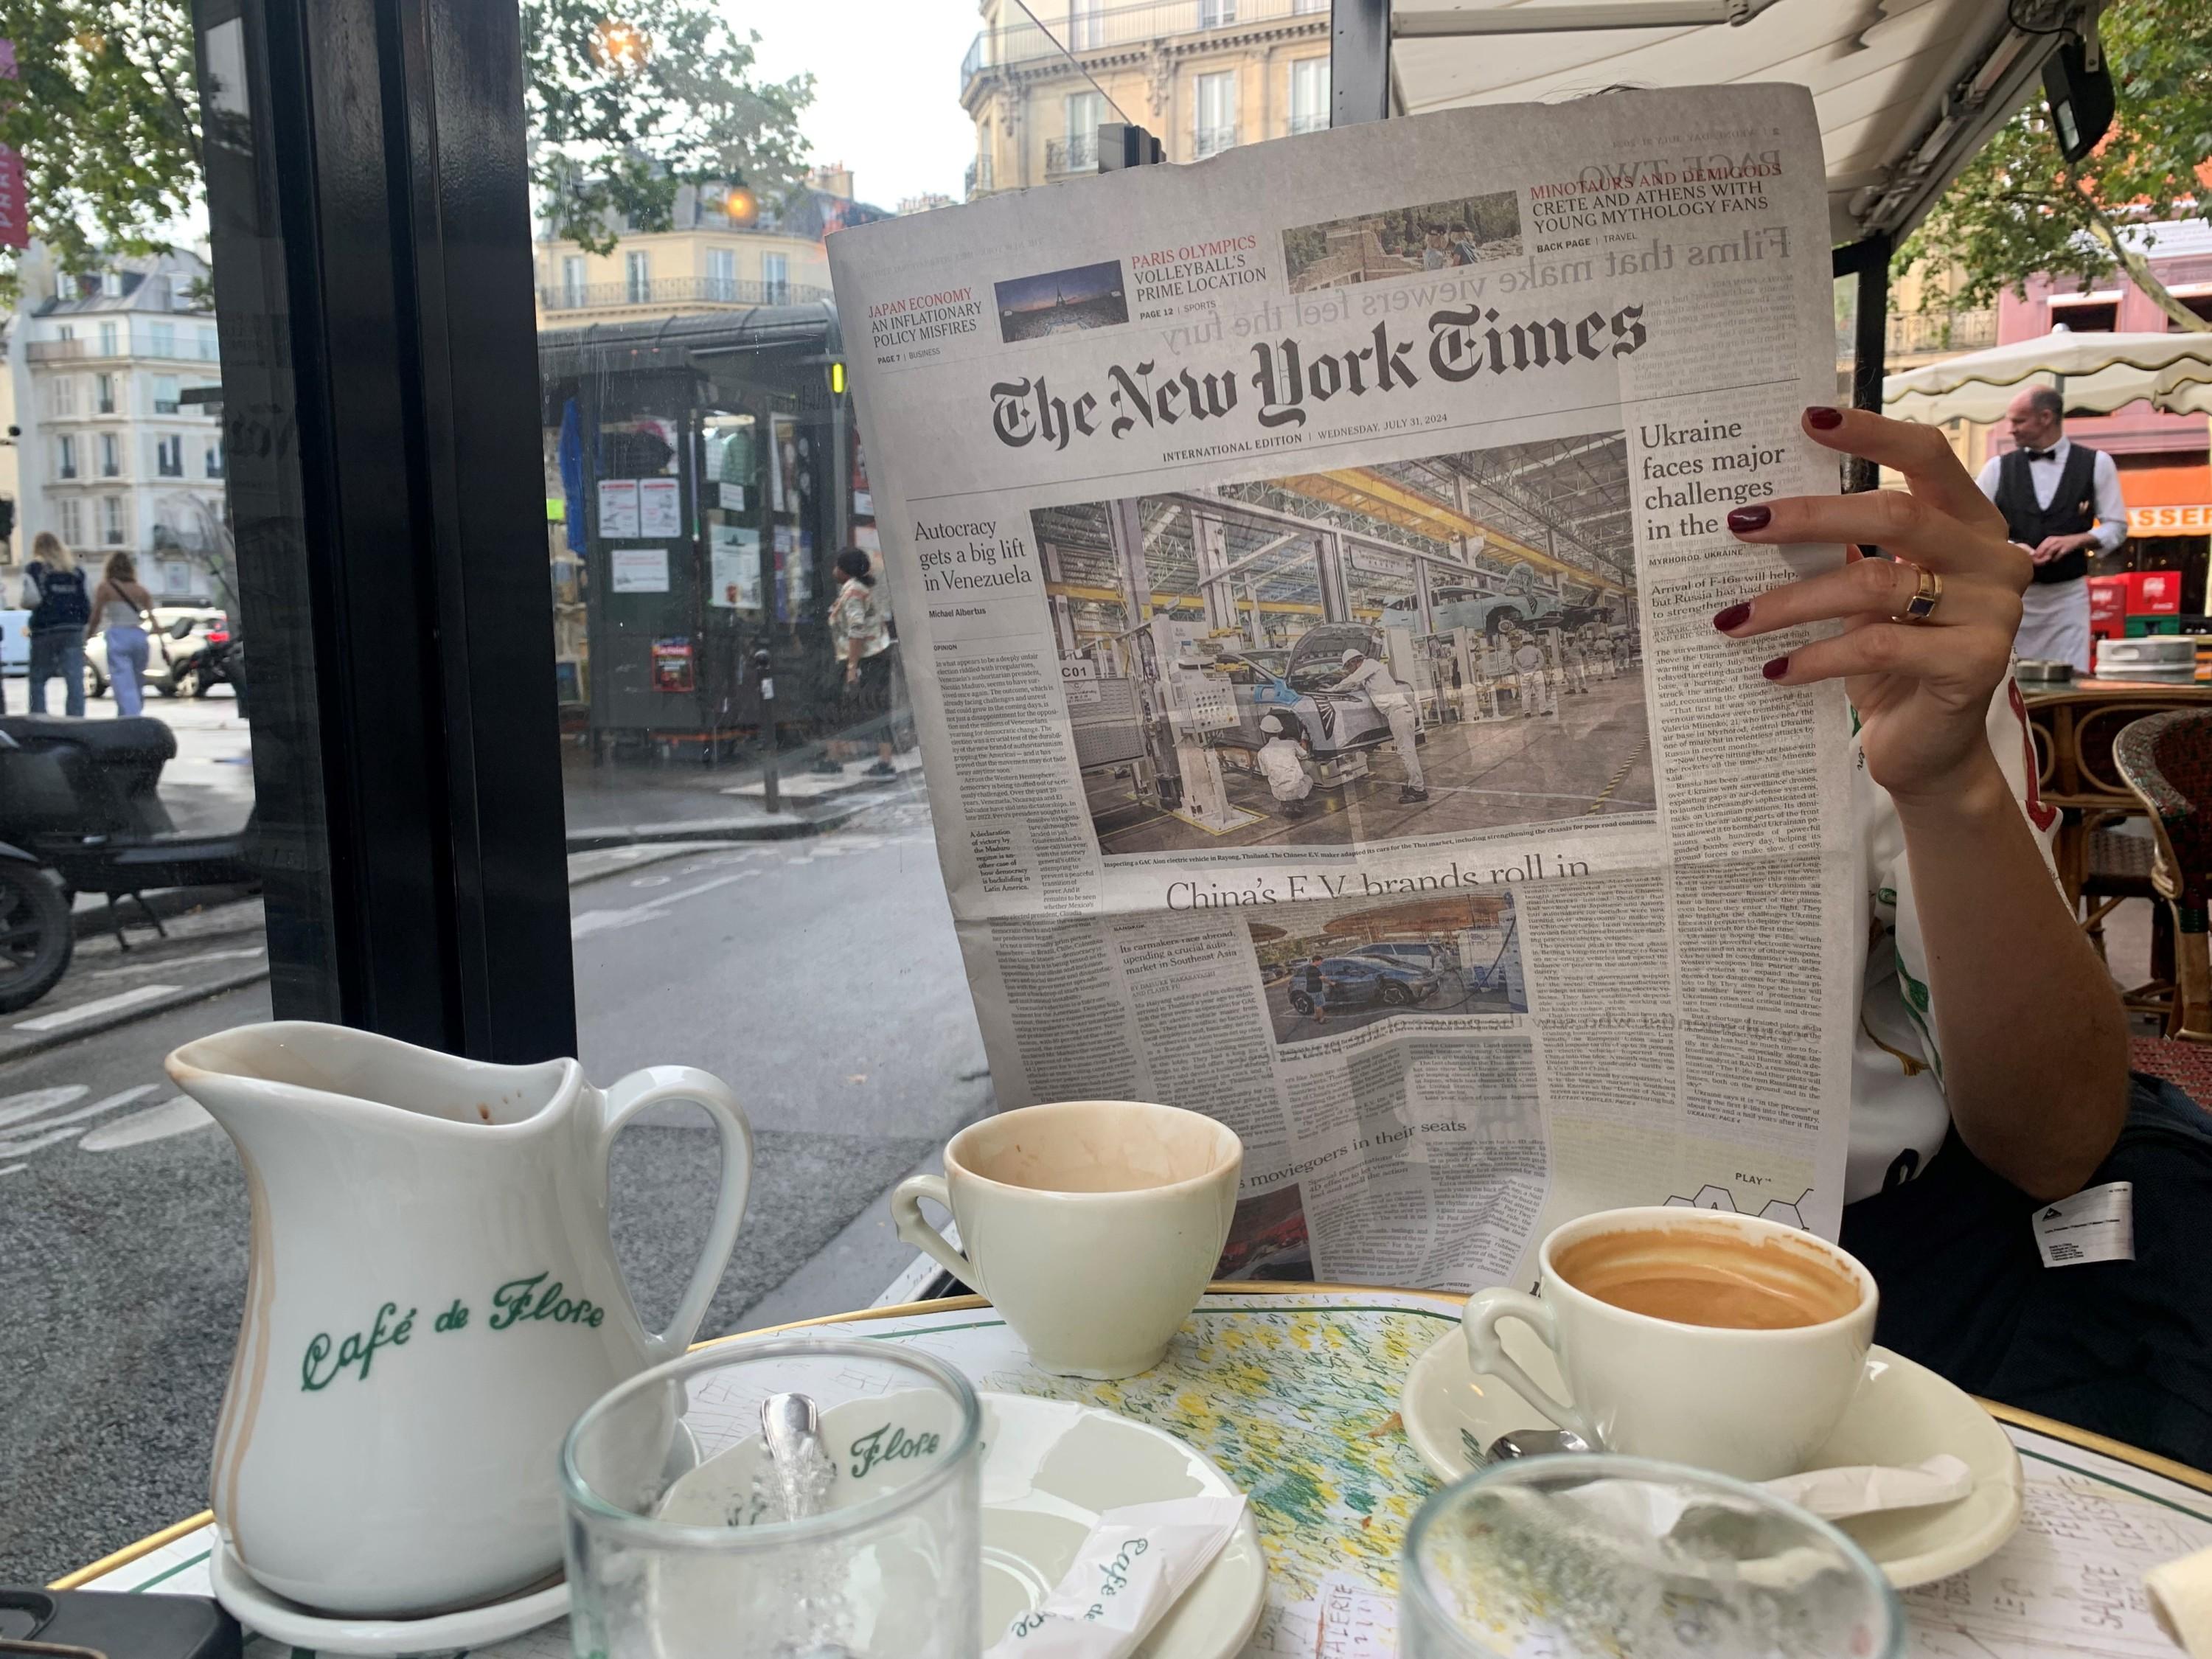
<point>2083,1439</point>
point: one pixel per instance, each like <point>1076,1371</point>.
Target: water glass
<point>1573,1557</point>
<point>685,1540</point>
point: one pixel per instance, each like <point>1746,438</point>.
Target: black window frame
<point>369,217</point>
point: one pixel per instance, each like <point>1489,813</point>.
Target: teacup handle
<point>1487,1353</point>
<point>623,1100</point>
<point>914,1231</point>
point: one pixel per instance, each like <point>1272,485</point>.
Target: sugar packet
<point>1134,1567</point>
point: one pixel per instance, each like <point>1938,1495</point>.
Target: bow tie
<point>2040,454</point>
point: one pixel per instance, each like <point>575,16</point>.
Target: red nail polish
<point>1743,519</point>
<point>1775,668</point>
<point>1734,617</point>
<point>1823,417</point>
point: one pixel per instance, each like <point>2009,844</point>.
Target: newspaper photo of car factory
<point>1418,647</point>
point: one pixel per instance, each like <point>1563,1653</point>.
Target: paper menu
<point>617,507</point>
<point>660,507</point>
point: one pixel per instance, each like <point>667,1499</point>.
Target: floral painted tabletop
<point>1293,1391</point>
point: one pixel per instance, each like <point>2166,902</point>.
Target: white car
<point>167,650</point>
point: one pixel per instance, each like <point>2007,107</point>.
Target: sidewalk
<point>621,803</point>
<point>211,948</point>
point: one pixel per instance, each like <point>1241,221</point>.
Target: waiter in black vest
<point>2062,502</point>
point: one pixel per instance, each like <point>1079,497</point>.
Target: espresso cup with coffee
<point>1092,1225</point>
<point>1699,1336</point>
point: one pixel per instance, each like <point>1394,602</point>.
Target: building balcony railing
<point>677,290</point>
<point>86,351</point>
<point>1309,120</point>
<point>1076,29</point>
<point>1915,331</point>
<point>1212,141</point>
<point>1077,152</point>
<point>979,178</point>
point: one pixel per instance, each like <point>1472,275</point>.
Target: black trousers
<point>2124,1348</point>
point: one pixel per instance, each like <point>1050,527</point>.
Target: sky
<point>886,86</point>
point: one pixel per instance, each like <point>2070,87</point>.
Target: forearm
<point>2033,1039</point>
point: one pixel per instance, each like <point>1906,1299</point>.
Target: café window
<point>70,517</point>
<point>165,394</point>
<point>1215,101</point>
<point>169,456</point>
<point>65,457</point>
<point>637,274</point>
<point>103,393</point>
<point>111,456</point>
<point>111,520</point>
<point>1309,94</point>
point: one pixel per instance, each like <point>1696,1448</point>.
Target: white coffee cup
<point>1751,1403</point>
<point>1093,1225</point>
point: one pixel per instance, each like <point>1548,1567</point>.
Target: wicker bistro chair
<point>2166,759</point>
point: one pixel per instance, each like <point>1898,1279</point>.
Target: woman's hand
<point>1922,690</point>
<point>851,674</point>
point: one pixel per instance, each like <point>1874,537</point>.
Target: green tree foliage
<point>622,112</point>
<point>107,114</point>
<point>2018,207</point>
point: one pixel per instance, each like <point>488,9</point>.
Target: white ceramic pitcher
<point>432,1299</point>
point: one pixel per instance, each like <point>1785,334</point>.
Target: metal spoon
<point>1535,1443</point>
<point>790,1425</point>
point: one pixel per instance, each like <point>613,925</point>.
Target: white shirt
<point>1373,678</point>
<point>1899,1114</point>
<point>1286,774</point>
<point>2112,526</point>
<point>1529,660</point>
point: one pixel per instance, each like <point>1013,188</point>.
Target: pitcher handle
<point>623,1100</point>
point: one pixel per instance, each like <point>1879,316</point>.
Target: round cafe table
<point>1293,1391</point>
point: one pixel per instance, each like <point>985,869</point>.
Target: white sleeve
<point>1986,479</point>
<point>2111,507</point>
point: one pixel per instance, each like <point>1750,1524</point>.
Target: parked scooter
<point>80,813</point>
<point>218,659</point>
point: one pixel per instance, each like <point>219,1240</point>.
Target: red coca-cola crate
<point>2108,607</point>
<point>2154,593</point>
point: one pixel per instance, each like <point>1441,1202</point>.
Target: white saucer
<point>266,1614</point>
<point>1904,1413</point>
<point>1049,1467</point>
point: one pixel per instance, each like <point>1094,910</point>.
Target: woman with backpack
<point>124,608</point>
<point>54,594</point>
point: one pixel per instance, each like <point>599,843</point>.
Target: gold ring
<point>1926,597</point>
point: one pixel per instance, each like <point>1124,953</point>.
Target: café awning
<point>2097,373</point>
<point>1907,90</point>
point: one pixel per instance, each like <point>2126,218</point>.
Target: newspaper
<point>1545,902</point>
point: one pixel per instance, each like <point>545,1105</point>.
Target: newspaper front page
<point>1303,563</point>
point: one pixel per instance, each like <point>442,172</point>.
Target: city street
<point>817,975</point>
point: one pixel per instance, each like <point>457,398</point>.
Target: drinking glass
<point>685,1540</point>
<point>1564,1556</point>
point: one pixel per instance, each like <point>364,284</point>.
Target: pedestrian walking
<point>859,630</point>
<point>1396,705</point>
<point>54,593</point>
<point>124,611</point>
<point>2062,502</point>
<point>1284,764</point>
